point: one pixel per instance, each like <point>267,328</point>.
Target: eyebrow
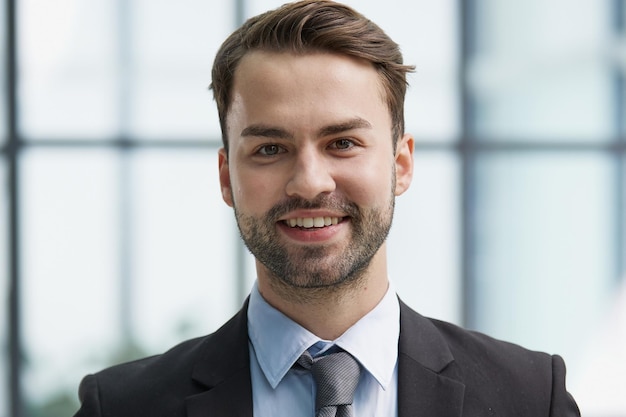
<point>356,123</point>
<point>265,131</point>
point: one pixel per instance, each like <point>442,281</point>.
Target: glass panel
<point>545,251</point>
<point>423,248</point>
<point>427,33</point>
<point>601,384</point>
<point>173,48</point>
<point>183,245</point>
<point>79,82</point>
<point>68,69</point>
<point>70,272</point>
<point>180,247</point>
<point>540,70</point>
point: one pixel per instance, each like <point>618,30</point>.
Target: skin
<point>310,136</point>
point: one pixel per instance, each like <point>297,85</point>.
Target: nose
<point>310,176</point>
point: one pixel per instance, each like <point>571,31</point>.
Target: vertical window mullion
<point>124,182</point>
<point>12,154</point>
<point>619,92</point>
<point>241,254</point>
<point>466,158</point>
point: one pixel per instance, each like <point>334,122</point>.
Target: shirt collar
<point>278,341</point>
<point>373,340</point>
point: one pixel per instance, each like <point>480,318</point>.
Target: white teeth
<point>309,222</point>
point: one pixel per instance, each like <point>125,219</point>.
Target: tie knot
<point>336,376</point>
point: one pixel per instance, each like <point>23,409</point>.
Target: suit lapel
<point>427,384</point>
<point>224,371</point>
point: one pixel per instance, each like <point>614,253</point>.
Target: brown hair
<point>313,25</point>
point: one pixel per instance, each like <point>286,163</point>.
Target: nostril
<point>310,183</point>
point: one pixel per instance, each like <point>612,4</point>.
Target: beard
<point>317,266</point>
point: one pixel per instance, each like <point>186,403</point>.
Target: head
<point>310,96</point>
<point>313,26</point>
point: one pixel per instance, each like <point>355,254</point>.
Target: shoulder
<point>493,367</point>
<point>466,347</point>
<point>469,346</point>
<point>158,385</point>
<point>177,360</point>
<point>497,375</point>
<point>508,374</point>
<point>160,381</point>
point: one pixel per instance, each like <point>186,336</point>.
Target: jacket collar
<point>427,380</point>
<point>224,370</point>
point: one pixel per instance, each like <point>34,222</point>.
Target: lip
<point>311,213</point>
<point>314,234</point>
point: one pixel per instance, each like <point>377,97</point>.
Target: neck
<point>328,311</point>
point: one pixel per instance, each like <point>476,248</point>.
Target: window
<point>514,224</point>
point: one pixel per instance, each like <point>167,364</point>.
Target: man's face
<point>311,170</point>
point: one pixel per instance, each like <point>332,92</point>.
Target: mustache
<point>321,202</point>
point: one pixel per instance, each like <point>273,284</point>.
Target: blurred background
<point>115,244</point>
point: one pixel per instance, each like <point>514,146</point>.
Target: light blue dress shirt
<point>276,342</point>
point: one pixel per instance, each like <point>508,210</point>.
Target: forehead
<point>306,85</point>
<point>258,59</point>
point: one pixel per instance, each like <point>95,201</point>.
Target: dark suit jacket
<point>443,371</point>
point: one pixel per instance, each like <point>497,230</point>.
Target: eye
<point>342,144</point>
<point>270,150</point>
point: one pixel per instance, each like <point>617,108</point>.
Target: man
<point>310,99</point>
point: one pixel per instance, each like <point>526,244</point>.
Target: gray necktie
<point>336,376</point>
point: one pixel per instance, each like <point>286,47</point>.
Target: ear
<point>225,185</point>
<point>404,163</point>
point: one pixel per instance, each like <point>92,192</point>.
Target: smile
<point>310,222</point>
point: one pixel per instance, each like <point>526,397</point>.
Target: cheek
<point>370,185</point>
<point>254,192</point>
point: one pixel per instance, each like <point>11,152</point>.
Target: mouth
<point>312,222</point>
